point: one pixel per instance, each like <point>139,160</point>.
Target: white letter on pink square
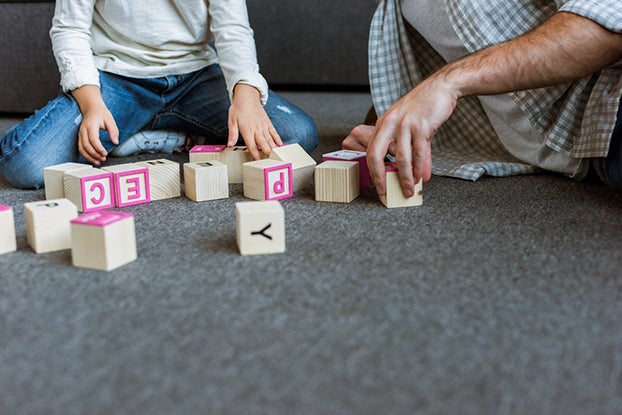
<point>278,182</point>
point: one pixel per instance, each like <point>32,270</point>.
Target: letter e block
<point>267,179</point>
<point>131,183</point>
<point>89,189</point>
<point>260,227</point>
<point>103,240</point>
<point>8,243</point>
<point>337,181</point>
<point>206,153</point>
<point>234,158</point>
<point>53,178</point>
<point>394,196</point>
<point>164,180</point>
<point>351,155</point>
<point>206,180</point>
<point>303,164</point>
<point>48,224</point>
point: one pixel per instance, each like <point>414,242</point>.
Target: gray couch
<point>300,44</point>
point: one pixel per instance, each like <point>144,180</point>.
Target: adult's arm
<point>565,48</point>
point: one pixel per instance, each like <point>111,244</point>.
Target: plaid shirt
<point>575,119</point>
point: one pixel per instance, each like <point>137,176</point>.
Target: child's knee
<point>303,132</point>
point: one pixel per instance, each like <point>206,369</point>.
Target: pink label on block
<point>101,218</point>
<point>4,207</point>
<point>348,155</point>
<point>278,182</point>
<point>390,167</point>
<point>97,192</point>
<point>132,187</point>
<point>208,149</point>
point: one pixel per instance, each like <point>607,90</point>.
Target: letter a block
<point>103,240</point>
<point>89,189</point>
<point>234,158</point>
<point>260,227</point>
<point>267,179</point>
<point>206,180</point>
<point>303,164</point>
<point>206,153</point>
<point>53,178</point>
<point>351,155</point>
<point>8,242</point>
<point>337,181</point>
<point>131,183</point>
<point>394,196</point>
<point>48,224</point>
<point>164,181</point>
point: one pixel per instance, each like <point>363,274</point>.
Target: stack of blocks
<point>103,240</point>
<point>260,227</point>
<point>8,243</point>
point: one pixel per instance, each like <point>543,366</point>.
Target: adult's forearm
<point>565,48</point>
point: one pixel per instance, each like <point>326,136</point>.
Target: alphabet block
<point>131,183</point>
<point>337,181</point>
<point>260,227</point>
<point>351,155</point>
<point>53,178</point>
<point>234,158</point>
<point>394,196</point>
<point>206,153</point>
<point>206,180</point>
<point>89,189</point>
<point>48,224</point>
<point>164,180</point>
<point>267,179</point>
<point>103,240</point>
<point>8,243</point>
<point>303,164</point>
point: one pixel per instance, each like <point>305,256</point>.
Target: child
<point>133,73</point>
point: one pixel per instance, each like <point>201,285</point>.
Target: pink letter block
<point>278,182</point>
<point>97,192</point>
<point>206,153</point>
<point>131,184</point>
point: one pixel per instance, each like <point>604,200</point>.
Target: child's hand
<point>95,117</point>
<point>248,118</point>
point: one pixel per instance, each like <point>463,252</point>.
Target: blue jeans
<point>196,103</point>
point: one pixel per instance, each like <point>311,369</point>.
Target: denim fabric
<point>196,103</point>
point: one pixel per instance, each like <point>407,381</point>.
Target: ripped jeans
<point>196,103</point>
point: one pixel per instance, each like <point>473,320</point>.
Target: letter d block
<point>8,242</point>
<point>351,155</point>
<point>260,227</point>
<point>206,153</point>
<point>164,181</point>
<point>89,189</point>
<point>268,179</point>
<point>48,224</point>
<point>53,178</point>
<point>206,180</point>
<point>303,164</point>
<point>103,240</point>
<point>131,183</point>
<point>394,197</point>
<point>337,181</point>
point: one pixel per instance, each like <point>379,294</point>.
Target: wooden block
<point>103,240</point>
<point>8,243</point>
<point>303,164</point>
<point>53,178</point>
<point>206,153</point>
<point>131,184</point>
<point>206,180</point>
<point>351,155</point>
<point>89,189</point>
<point>164,180</point>
<point>267,179</point>
<point>260,227</point>
<point>234,158</point>
<point>48,224</point>
<point>337,181</point>
<point>394,196</point>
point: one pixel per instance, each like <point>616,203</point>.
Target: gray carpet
<point>502,296</point>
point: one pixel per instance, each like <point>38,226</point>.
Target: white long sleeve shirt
<point>153,38</point>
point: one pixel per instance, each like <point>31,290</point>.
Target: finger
<point>93,138</point>
<point>276,138</point>
<point>234,133</point>
<point>85,148</point>
<point>251,145</point>
<point>421,153</point>
<point>265,143</point>
<point>376,152</point>
<point>113,131</point>
<point>404,161</point>
<point>427,171</point>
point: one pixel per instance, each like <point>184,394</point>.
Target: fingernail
<point>409,193</point>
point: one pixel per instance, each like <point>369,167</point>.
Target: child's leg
<point>201,107</point>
